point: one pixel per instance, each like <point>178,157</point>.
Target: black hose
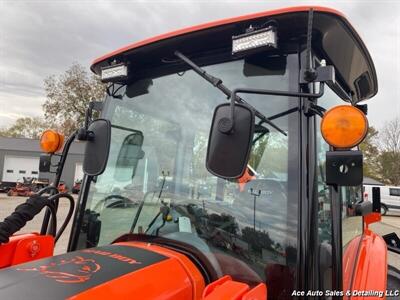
<point>69,215</point>
<point>24,213</point>
<point>28,210</point>
<point>53,213</point>
<point>47,189</point>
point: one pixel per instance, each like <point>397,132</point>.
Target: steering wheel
<point>121,202</point>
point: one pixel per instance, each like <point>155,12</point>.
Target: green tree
<point>26,127</point>
<point>68,95</point>
<point>371,154</point>
<point>258,240</point>
<point>390,136</point>
<point>390,167</point>
<point>389,159</point>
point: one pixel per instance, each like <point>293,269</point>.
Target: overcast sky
<point>41,38</point>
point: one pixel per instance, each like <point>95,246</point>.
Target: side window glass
<point>351,224</point>
<point>394,192</point>
<point>348,196</point>
<point>324,202</point>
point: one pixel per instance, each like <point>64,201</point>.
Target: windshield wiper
<point>164,174</point>
<point>217,82</point>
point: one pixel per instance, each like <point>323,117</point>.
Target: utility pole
<point>254,206</point>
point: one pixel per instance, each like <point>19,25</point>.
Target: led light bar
<point>114,73</point>
<point>256,39</point>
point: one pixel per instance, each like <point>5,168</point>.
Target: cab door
<point>335,212</point>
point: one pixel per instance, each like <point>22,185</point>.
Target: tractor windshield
<point>156,182</point>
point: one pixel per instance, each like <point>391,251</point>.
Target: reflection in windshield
<point>246,229</point>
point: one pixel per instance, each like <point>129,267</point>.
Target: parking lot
<point>389,223</point>
<point>8,204</point>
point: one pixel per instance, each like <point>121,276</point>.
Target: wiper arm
<point>164,174</point>
<point>217,82</point>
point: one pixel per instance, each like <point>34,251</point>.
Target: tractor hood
<point>114,272</point>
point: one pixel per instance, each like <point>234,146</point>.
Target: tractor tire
<point>384,209</point>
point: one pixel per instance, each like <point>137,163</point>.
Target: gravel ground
<point>8,204</point>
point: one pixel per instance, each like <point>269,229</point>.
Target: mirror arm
<point>273,93</point>
<point>56,181</point>
<point>281,93</point>
<point>64,154</point>
<point>218,83</point>
<point>83,134</point>
<point>259,137</point>
<point>93,105</point>
<point>126,128</point>
<point>88,116</point>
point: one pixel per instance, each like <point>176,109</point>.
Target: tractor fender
<point>365,266</point>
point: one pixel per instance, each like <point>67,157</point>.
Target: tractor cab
<point>234,144</point>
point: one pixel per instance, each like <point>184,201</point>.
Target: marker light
<point>51,141</point>
<point>255,39</point>
<point>344,126</point>
<point>114,73</point>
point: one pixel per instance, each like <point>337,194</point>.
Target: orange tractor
<point>224,165</point>
<point>24,189</point>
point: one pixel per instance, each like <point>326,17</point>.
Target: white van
<point>390,197</point>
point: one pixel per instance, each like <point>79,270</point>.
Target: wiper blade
<point>164,174</point>
<point>217,82</point>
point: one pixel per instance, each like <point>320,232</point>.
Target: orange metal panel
<point>259,292</point>
<point>166,280</point>
<point>372,218</point>
<point>349,260</point>
<point>25,247</point>
<point>191,270</point>
<point>370,272</point>
<point>227,289</point>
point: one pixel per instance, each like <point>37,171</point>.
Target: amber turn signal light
<point>344,126</point>
<point>51,141</point>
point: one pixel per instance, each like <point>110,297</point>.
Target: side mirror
<point>230,140</point>
<point>97,147</point>
<point>129,155</point>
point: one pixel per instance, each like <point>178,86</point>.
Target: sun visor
<point>345,50</point>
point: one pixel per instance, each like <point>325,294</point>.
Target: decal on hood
<point>75,270</point>
<point>63,276</point>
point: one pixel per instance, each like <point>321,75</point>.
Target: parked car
<point>390,197</point>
